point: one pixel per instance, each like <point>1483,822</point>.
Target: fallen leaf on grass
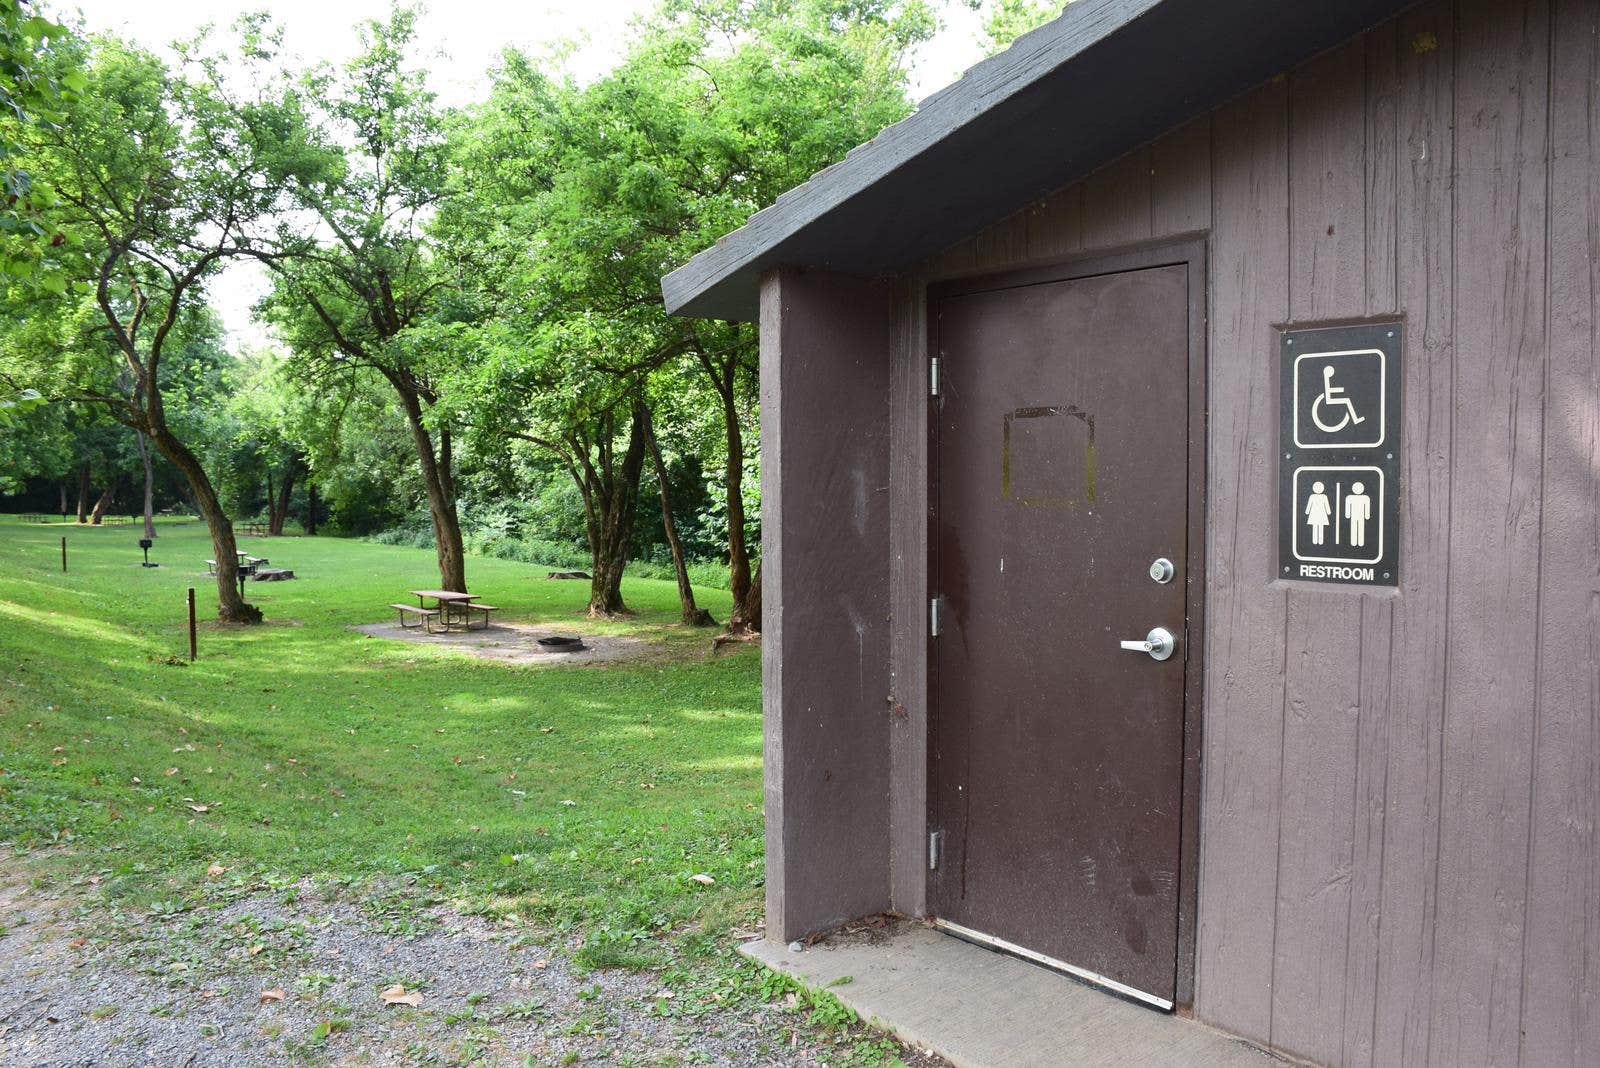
<point>170,771</point>
<point>215,870</point>
<point>274,994</point>
<point>77,943</point>
<point>398,995</point>
<point>541,964</point>
<point>199,808</point>
<point>703,879</point>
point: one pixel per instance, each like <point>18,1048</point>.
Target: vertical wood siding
<point>1560,987</point>
<point>1399,862</point>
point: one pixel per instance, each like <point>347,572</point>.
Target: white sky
<point>468,36</point>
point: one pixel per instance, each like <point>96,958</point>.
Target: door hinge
<point>933,376</point>
<point>935,616</point>
<point>935,849</point>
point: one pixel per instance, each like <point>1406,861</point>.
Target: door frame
<point>1190,252</point>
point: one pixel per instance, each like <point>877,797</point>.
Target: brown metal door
<point>1057,757</point>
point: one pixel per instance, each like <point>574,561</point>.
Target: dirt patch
<point>518,643</point>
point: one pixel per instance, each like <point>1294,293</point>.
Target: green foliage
<point>570,201</point>
<point>15,405</point>
<point>1006,20</point>
<point>39,73</point>
<point>167,176</point>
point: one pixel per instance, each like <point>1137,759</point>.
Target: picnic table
<point>450,608</point>
<point>245,560</point>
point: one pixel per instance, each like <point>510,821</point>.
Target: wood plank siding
<point>1399,860</point>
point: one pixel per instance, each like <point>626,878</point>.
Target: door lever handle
<point>1159,643</point>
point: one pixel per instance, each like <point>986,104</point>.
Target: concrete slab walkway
<point>981,1009</point>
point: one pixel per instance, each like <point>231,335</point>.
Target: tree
<point>1006,20</point>
<point>33,440</point>
<point>272,428</point>
<point>39,74</point>
<point>142,443</point>
<point>362,301</point>
<point>166,178</point>
<point>691,613</point>
<point>577,199</point>
<point>535,382</point>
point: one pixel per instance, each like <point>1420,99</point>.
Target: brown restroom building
<point>1181,474</point>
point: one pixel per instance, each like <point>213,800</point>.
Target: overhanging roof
<point>1103,78</point>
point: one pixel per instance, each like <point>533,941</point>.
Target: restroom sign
<point>1339,455</point>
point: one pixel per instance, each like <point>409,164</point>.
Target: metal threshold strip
<point>1050,962</point>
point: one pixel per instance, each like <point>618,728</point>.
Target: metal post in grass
<point>63,553</point>
<point>191,624</point>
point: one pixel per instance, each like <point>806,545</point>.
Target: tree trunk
<point>311,508</point>
<point>149,484</point>
<point>83,494</point>
<point>103,503</point>
<point>738,554</point>
<point>231,606</point>
<point>278,507</point>
<point>63,488</point>
<point>609,549</point>
<point>438,481</point>
<point>746,615</point>
<point>693,615</point>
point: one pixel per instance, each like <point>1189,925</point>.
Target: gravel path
<point>82,984</point>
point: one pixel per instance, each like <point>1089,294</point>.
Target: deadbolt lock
<point>1162,570</point>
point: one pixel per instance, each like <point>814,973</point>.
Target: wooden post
<point>63,553</point>
<point>191,624</point>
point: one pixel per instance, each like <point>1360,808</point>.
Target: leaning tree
<point>356,281</point>
<point>163,178</point>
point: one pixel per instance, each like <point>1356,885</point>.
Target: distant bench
<point>244,558</point>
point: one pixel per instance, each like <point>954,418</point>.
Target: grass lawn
<point>580,800</point>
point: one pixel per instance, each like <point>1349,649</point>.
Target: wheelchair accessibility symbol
<point>1340,399</point>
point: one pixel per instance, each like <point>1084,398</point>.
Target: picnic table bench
<point>450,608</point>
<point>424,616</point>
<point>245,559</point>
